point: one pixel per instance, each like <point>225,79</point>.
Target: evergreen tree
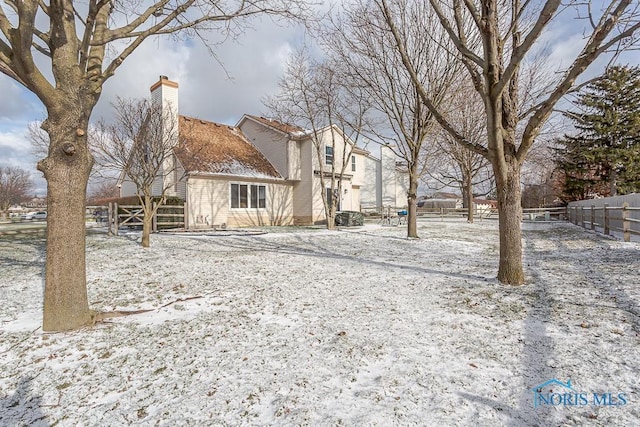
<point>603,158</point>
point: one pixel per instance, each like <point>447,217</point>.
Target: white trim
<point>248,208</point>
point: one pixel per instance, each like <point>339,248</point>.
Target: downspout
<point>186,204</point>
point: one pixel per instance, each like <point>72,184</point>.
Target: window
<point>353,163</point>
<point>244,196</point>
<point>258,196</point>
<point>328,155</point>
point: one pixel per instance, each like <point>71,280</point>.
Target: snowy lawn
<point>309,327</point>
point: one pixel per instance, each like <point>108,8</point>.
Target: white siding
<point>209,204</point>
<point>303,190</point>
<point>360,175</point>
<point>371,189</point>
<point>127,188</point>
<point>272,144</point>
<point>355,199</point>
<point>394,183</point>
<point>294,171</point>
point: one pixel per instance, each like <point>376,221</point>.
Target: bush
<point>349,219</point>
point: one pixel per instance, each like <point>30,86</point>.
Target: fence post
<point>109,216</point>
<point>154,218</point>
<point>593,217</point>
<point>185,221</point>
<point>116,219</point>
<point>567,213</point>
<point>626,224</point>
<point>606,219</point>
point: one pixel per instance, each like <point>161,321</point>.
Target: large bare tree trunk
<point>66,170</point>
<point>510,269</point>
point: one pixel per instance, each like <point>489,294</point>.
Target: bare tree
<point>453,164</point>
<point>314,96</point>
<point>64,52</point>
<point>139,144</point>
<point>106,189</point>
<point>508,31</point>
<point>38,138</point>
<point>15,187</point>
<point>369,60</point>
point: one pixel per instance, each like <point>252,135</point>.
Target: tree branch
<point>594,48</point>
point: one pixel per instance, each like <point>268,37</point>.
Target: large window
<point>248,196</point>
<point>328,155</point>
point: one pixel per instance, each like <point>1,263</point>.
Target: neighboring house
<point>440,204</point>
<point>484,207</point>
<point>262,172</point>
<point>386,181</point>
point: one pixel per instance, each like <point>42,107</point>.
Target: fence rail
<point>607,219</point>
<point>533,214</point>
<point>116,216</point>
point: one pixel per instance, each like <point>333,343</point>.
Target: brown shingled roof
<point>282,127</point>
<point>209,147</point>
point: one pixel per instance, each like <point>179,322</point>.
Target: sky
<point>252,67</point>
<point>219,89</point>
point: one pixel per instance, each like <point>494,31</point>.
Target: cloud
<point>15,151</point>
<point>220,85</point>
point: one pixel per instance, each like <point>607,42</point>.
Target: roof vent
<point>164,78</point>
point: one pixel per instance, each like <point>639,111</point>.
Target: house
<point>223,178</point>
<point>294,153</point>
<point>262,171</point>
<point>441,200</point>
<point>386,181</point>
<point>484,206</point>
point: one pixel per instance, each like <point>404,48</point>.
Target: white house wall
<point>359,176</point>
<point>393,182</point>
<point>294,160</point>
<point>350,182</point>
<point>273,145</point>
<point>303,189</point>
<point>208,204</point>
<point>127,188</point>
<point>331,136</point>
<point>371,189</point>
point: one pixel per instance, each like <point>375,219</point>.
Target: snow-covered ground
<point>310,327</point>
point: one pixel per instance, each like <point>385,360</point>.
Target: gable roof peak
<point>289,129</point>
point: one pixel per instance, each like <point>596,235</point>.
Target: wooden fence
<point>534,214</point>
<point>607,219</point>
<point>116,216</point>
